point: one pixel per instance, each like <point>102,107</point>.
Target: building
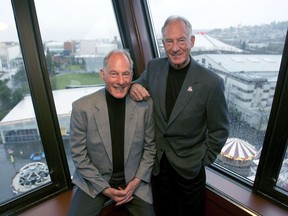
<point>55,47</point>
<point>250,82</point>
<point>92,52</point>
<point>10,59</point>
<point>19,127</point>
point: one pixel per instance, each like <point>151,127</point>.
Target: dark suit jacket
<point>90,141</point>
<point>198,125</point>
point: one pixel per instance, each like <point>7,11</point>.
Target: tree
<point>50,64</point>
<point>20,78</point>
<point>10,97</point>
<point>17,96</point>
<point>4,92</point>
<point>5,96</point>
<point>243,45</point>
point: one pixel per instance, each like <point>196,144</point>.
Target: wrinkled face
<point>117,75</point>
<point>177,44</point>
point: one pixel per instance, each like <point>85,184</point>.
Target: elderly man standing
<point>191,120</point>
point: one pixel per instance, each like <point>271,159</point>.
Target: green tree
<point>10,97</point>
<point>20,78</point>
<point>17,96</point>
<point>4,91</point>
<point>5,95</point>
<point>50,64</point>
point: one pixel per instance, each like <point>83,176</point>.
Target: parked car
<point>37,156</point>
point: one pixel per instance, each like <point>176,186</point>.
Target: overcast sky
<point>90,19</point>
<point>209,14</point>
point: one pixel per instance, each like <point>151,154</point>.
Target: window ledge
<point>240,196</point>
<point>235,199</point>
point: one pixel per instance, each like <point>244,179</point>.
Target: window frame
<point>135,31</point>
<point>276,137</point>
<point>45,112</point>
<point>135,27</point>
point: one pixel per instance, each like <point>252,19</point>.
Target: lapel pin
<point>190,89</point>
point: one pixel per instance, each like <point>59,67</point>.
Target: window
<point>246,51</point>
<point>283,174</point>
<point>75,45</point>
<point>23,163</point>
<point>42,58</point>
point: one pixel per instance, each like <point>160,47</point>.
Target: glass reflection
<point>282,181</point>
<point>22,159</point>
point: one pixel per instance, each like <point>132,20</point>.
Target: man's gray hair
<point>174,18</point>
<point>122,51</point>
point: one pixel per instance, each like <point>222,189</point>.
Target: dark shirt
<point>116,111</point>
<point>174,83</point>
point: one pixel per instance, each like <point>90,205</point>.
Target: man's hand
<point>138,92</point>
<point>119,196</point>
<point>129,190</point>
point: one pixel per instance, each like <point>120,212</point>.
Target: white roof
<point>62,98</point>
<point>246,63</point>
<point>54,43</point>
<point>246,66</point>
<point>205,42</point>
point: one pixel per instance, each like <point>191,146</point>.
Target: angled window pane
<point>22,159</point>
<point>282,181</point>
<point>246,51</point>
<point>75,38</point>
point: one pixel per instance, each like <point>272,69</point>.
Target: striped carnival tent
<point>238,149</point>
<point>237,155</point>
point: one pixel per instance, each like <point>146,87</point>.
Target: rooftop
<point>63,101</point>
<point>205,42</point>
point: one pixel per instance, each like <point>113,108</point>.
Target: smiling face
<point>177,43</point>
<point>117,75</point>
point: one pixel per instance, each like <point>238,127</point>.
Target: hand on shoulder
<point>138,92</point>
